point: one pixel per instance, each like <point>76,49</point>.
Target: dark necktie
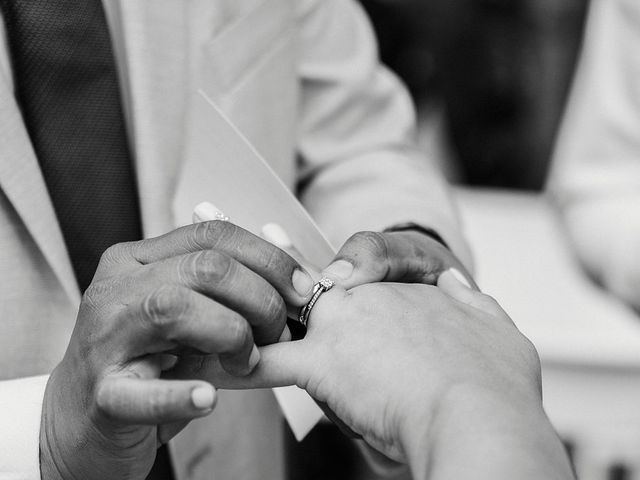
<point>67,87</point>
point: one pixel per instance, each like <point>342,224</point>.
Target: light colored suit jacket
<point>596,169</point>
<point>302,81</point>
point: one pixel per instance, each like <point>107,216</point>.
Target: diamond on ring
<point>324,285</point>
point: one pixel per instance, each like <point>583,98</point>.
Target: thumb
<point>153,401</point>
<point>406,257</point>
<point>364,258</point>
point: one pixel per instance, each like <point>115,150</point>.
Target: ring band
<point>324,285</point>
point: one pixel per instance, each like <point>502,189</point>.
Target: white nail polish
<point>460,277</point>
<point>167,362</point>
<point>206,212</point>
<point>203,397</point>
<point>274,233</point>
<point>254,358</point>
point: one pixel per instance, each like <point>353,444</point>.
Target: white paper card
<point>301,412</point>
<point>242,184</point>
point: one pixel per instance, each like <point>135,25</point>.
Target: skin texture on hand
<point>430,376</point>
<point>410,254</point>
<point>157,314</point>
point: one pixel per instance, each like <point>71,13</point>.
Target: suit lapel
<point>23,184</point>
<point>154,106</point>
<point>154,76</point>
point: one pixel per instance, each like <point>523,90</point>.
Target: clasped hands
<point>168,318</point>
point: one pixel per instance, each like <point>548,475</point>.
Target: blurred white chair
<point>588,342</point>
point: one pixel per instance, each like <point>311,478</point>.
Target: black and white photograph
<point>319,240</point>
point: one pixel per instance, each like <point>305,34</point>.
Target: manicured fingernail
<point>205,212</point>
<point>254,358</point>
<point>274,233</point>
<point>167,361</point>
<point>286,335</point>
<point>341,269</point>
<point>302,282</point>
<point>203,397</point>
<point>460,277</point>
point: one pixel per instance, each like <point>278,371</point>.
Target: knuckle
<point>141,250</point>
<point>207,234</point>
<point>275,259</point>
<point>531,356</point>
<point>163,306</point>
<point>211,267</point>
<point>529,361</point>
<point>270,258</point>
<point>116,254</point>
<point>275,308</point>
<point>98,293</point>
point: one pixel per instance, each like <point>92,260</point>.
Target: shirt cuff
<point>20,417</point>
<point>413,227</point>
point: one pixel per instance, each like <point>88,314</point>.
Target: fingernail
<point>205,212</point>
<point>302,282</point>
<point>286,335</point>
<point>254,358</point>
<point>274,233</point>
<point>167,362</point>
<point>340,269</point>
<point>203,397</point>
<point>460,277</point>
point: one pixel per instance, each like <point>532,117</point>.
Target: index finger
<point>281,365</point>
<point>286,275</point>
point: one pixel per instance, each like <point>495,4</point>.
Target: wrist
<point>63,430</point>
<point>475,434</point>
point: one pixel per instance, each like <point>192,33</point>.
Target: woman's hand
<point>438,377</point>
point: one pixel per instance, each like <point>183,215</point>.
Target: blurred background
<point>492,74</point>
<point>490,79</point>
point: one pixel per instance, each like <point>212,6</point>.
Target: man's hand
<point>439,377</point>
<point>202,295</point>
<point>403,257</point>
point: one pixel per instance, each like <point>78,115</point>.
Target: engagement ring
<point>324,285</point>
